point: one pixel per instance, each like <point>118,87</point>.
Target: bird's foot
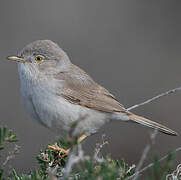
<point>64,152</point>
<point>61,152</point>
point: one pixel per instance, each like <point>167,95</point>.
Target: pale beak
<point>15,58</point>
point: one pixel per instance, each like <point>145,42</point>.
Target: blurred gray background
<point>130,47</point>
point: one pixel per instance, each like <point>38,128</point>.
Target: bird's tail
<point>152,124</point>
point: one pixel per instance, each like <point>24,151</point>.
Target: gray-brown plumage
<point>79,88</point>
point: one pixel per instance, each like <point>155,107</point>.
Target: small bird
<point>55,92</point>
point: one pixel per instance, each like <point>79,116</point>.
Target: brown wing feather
<point>79,88</point>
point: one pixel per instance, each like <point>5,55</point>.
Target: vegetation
<point>53,164</point>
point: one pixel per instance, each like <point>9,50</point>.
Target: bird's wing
<point>79,88</point>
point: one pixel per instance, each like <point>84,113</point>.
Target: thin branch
<point>145,153</point>
<point>97,155</point>
<point>155,98</point>
<point>155,132</point>
<point>73,159</point>
<point>152,164</point>
<point>11,155</point>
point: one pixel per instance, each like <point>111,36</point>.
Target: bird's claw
<point>62,152</point>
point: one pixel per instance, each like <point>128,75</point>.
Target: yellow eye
<point>38,58</point>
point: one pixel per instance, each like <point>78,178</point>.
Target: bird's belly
<point>55,112</point>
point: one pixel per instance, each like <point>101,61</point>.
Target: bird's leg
<point>81,138</point>
<point>59,149</point>
<point>64,152</point>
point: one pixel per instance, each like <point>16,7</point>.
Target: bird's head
<point>41,57</point>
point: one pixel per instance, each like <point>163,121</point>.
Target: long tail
<point>152,124</point>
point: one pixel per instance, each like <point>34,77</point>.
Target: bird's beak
<point>15,58</point>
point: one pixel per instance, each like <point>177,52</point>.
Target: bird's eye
<point>38,58</point>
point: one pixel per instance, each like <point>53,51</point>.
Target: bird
<point>55,92</point>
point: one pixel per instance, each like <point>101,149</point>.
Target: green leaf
<point>4,130</point>
<point>15,175</point>
<point>1,173</point>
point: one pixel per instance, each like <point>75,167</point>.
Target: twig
<point>145,153</point>
<point>73,159</point>
<point>11,155</point>
<point>154,134</point>
<point>155,98</point>
<point>97,155</point>
<point>152,164</point>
